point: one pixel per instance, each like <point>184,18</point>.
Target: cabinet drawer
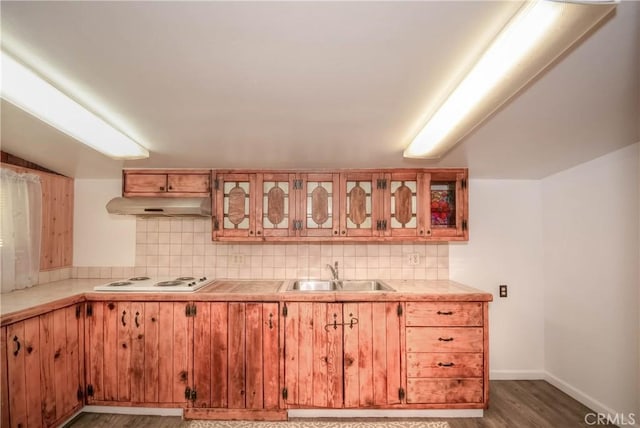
<point>141,183</point>
<point>444,314</point>
<point>444,364</point>
<point>188,183</point>
<point>444,339</point>
<point>444,391</point>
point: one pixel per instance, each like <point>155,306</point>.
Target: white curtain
<point>20,229</point>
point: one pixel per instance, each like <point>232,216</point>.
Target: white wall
<point>591,257</point>
<point>505,247</point>
<point>100,238</point>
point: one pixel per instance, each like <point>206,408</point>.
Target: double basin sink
<point>313,285</point>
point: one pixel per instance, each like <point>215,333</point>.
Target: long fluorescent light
<point>28,91</point>
<point>540,32</point>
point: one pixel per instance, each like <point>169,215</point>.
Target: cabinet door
<point>312,345</point>
<point>404,208</point>
<point>235,205</point>
<point>371,354</point>
<point>138,352</point>
<point>23,373</point>
<point>4,384</point>
<point>359,205</point>
<point>448,205</point>
<point>44,369</point>
<point>236,356</point>
<point>144,183</point>
<point>319,205</point>
<point>276,205</point>
<point>189,183</point>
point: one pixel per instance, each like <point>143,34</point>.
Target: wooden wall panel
<point>56,250</point>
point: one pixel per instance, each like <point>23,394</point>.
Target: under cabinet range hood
<point>170,207</point>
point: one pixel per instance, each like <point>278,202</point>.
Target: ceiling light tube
<point>540,32</point>
<point>28,91</point>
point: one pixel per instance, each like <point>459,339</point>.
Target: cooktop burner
<point>169,283</point>
<point>158,284</point>
<point>119,283</point>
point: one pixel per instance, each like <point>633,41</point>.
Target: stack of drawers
<point>445,352</point>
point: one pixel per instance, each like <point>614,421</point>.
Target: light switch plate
<point>503,290</point>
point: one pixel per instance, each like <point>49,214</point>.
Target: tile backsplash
<point>178,247</point>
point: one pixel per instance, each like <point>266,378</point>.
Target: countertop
<point>42,298</point>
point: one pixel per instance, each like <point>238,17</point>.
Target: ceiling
<point>311,84</point>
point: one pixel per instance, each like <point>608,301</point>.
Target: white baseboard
<point>584,398</point>
<point>121,410</point>
<point>516,375</point>
<point>379,413</point>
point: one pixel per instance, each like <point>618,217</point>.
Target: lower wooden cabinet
<point>138,353</point>
<point>446,354</point>
<point>42,382</point>
<point>236,355</point>
<point>341,355</point>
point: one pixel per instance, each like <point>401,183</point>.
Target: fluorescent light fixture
<point>540,32</point>
<point>28,91</point>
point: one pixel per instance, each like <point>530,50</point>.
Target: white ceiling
<point>310,84</point>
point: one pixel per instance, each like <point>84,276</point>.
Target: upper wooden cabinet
<point>166,183</point>
<point>366,205</point>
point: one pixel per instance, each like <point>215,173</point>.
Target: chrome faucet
<point>335,275</point>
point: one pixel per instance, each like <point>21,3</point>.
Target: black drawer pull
<point>124,323</point>
<point>445,364</point>
<point>445,339</point>
<point>17,343</point>
<point>136,319</point>
<point>445,312</point>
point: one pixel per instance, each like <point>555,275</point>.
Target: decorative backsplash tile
<point>178,247</point>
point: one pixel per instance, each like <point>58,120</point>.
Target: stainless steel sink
<point>311,285</point>
<point>364,285</point>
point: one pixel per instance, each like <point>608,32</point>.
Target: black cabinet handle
<point>445,313</point>
<point>17,342</point>
<point>162,188</point>
<point>445,364</point>
<point>124,323</point>
<point>270,321</point>
<point>445,339</point>
<point>136,319</point>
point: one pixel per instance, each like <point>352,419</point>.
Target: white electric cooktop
<point>157,284</point>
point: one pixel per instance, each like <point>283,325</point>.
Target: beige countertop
<point>42,298</point>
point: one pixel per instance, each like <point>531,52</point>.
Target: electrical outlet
<point>236,259</point>
<point>503,290</point>
<point>413,259</point>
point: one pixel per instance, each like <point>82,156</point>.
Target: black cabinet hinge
<point>78,311</point>
<point>285,311</point>
<point>381,183</point>
<point>80,394</point>
<point>297,184</point>
<point>190,394</point>
<point>216,184</point>
<point>463,183</point>
<point>464,225</point>
<point>89,309</point>
<point>190,310</point>
<point>399,309</point>
<point>285,393</point>
<point>89,390</point>
<point>216,224</point>
<point>401,394</point>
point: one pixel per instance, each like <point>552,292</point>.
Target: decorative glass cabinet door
<point>235,205</point>
<point>276,205</point>
<point>447,200</point>
<point>360,196</point>
<point>319,205</point>
<point>404,215</point>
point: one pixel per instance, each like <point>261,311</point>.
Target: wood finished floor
<point>533,403</point>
